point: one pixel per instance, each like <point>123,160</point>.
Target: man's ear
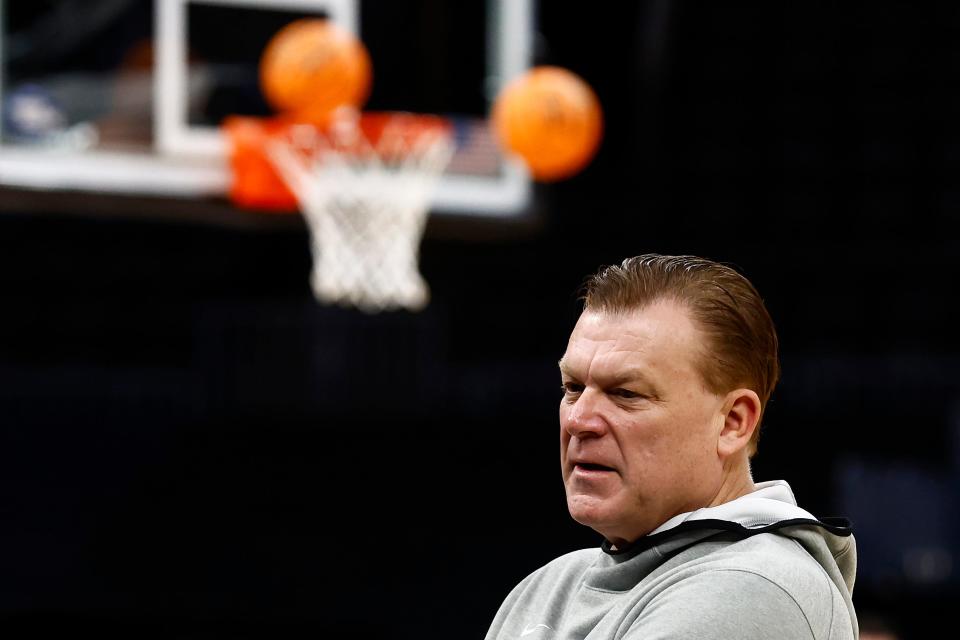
<point>741,413</point>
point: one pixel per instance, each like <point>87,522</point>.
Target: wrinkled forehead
<point>660,337</point>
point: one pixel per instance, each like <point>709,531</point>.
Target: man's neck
<point>737,482</point>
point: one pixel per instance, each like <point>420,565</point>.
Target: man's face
<point>638,429</point>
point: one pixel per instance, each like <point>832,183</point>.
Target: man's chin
<point>590,511</point>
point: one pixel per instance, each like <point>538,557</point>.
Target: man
<point>665,379</point>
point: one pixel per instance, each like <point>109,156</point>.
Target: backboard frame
<point>510,46</point>
<point>188,162</point>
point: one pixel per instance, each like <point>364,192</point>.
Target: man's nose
<point>586,417</point>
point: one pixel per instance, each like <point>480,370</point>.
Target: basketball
<point>552,119</point>
<point>311,67</point>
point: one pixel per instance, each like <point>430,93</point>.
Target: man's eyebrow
<point>634,374</point>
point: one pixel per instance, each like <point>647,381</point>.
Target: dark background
<point>192,448</point>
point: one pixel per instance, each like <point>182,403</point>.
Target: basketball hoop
<point>363,183</point>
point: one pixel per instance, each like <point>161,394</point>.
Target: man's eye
<point>571,387</point>
<point>625,394</point>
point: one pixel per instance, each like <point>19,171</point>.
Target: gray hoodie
<point>755,567</point>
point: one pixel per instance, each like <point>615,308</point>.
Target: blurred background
<point>193,447</point>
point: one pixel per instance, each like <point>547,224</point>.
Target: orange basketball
<point>311,67</point>
<point>552,119</point>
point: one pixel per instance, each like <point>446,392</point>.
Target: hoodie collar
<point>770,507</point>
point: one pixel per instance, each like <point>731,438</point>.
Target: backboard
<point>116,96</point>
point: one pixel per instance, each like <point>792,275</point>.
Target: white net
<point>365,193</point>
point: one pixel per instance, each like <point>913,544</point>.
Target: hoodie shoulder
<point>547,590</point>
<point>567,568</point>
<point>775,571</point>
<point>560,574</point>
<point>718,604</point>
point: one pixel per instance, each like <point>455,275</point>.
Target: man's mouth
<point>590,466</point>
